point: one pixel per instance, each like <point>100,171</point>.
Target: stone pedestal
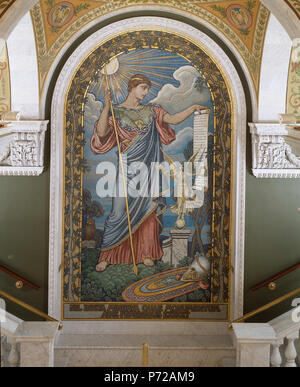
<point>253,343</point>
<point>180,240</point>
<point>167,250</point>
<point>36,340</point>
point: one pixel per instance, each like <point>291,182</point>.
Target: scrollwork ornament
<point>24,153</point>
<point>272,156</point>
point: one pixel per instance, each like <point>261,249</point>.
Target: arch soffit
<point>285,15</point>
<point>13,15</point>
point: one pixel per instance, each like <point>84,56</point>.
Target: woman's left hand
<point>199,108</point>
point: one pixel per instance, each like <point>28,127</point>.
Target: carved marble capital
<point>22,148</point>
<point>274,150</point>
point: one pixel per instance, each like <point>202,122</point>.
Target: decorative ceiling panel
<point>243,23</point>
<point>295,5</point>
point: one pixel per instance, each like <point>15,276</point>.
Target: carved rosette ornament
<point>22,148</point>
<point>272,153</point>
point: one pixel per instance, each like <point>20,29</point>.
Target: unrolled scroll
<point>200,142</point>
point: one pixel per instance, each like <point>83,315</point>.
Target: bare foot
<point>148,262</point>
<point>102,266</point>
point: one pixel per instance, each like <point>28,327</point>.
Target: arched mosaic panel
<point>189,278</point>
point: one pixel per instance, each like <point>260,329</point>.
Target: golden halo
<point>112,67</point>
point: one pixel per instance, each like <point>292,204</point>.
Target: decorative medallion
<point>60,14</point>
<point>239,17</point>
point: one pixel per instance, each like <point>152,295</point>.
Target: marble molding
<point>272,156</point>
<point>22,148</point>
<point>13,15</point>
<point>286,16</point>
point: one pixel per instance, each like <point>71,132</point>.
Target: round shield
<point>161,287</point>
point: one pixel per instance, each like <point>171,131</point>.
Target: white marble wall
<point>24,69</point>
<point>274,72</point>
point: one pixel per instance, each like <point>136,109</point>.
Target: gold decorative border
<point>5,91</point>
<point>293,87</point>
<point>46,55</point>
<point>222,157</point>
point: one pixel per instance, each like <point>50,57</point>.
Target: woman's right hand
<point>107,98</point>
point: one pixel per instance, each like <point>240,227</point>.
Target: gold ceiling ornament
<point>243,23</point>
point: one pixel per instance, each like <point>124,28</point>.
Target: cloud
<point>175,99</point>
<point>183,137</point>
<point>92,111</point>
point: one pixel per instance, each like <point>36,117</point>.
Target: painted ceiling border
<point>178,7</point>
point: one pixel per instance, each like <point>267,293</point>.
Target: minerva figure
<point>141,129</point>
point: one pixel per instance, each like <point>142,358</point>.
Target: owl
<point>90,229</point>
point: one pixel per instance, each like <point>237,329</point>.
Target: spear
<point>135,269</point>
